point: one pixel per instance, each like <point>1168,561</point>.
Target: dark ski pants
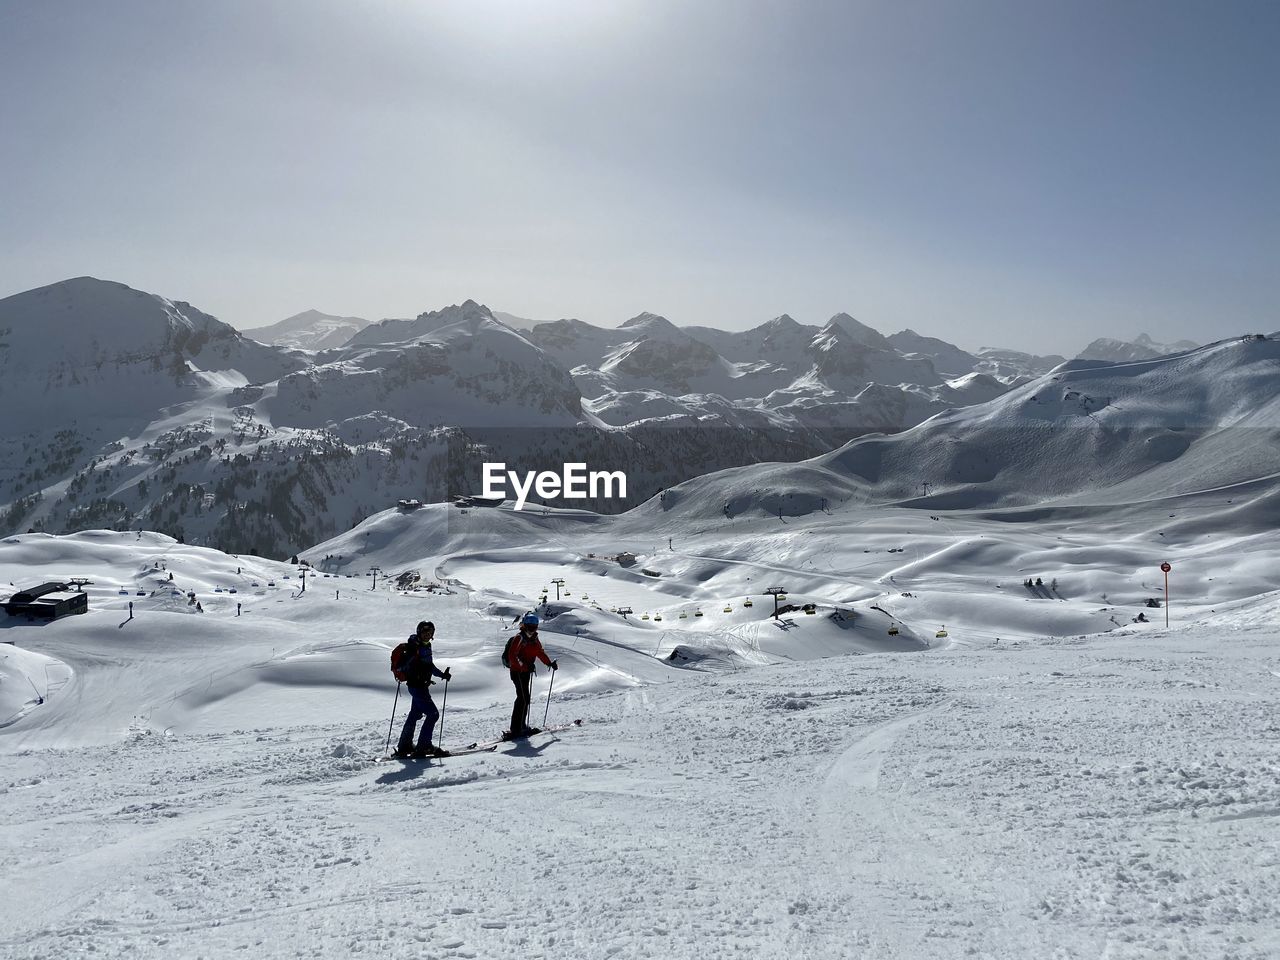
<point>520,712</point>
<point>423,706</point>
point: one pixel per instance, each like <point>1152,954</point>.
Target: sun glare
<point>528,20</point>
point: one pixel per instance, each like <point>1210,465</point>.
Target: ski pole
<point>550,687</point>
<point>444,702</point>
<point>394,704</point>
<point>528,695</point>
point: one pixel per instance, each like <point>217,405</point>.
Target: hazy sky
<point>1022,173</point>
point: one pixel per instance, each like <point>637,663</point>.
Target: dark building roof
<point>27,596</point>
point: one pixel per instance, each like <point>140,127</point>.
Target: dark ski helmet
<point>529,620</point>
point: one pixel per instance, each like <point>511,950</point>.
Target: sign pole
<point>1165,567</point>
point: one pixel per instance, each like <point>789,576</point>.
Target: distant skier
<point>519,656</point>
<point>412,662</point>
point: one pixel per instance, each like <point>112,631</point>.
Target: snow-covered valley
<point>1047,779</point>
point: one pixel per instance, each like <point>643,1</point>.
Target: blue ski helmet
<point>529,620</point>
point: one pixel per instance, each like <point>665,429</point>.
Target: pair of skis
<point>488,746</point>
<point>508,737</point>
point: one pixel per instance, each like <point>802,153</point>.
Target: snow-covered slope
<point>309,330</point>
<point>511,320</point>
<point>183,783</point>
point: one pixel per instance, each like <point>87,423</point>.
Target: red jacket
<point>524,648</point>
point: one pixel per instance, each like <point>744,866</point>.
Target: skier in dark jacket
<point>419,668</point>
<point>523,649</point>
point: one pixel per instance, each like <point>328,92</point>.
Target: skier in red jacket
<point>522,650</point>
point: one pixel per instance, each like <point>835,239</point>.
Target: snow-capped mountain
<point>830,383</point>
<point>1088,432</point>
<point>844,357</point>
<point>468,313</point>
<point>88,348</point>
<point>781,341</point>
<point>454,367</point>
<point>1141,347</point>
<point>130,409</point>
<point>574,343</point>
<point>1011,364</point>
<point>659,355</point>
<point>309,330</point>
<point>148,412</point>
<point>948,359</point>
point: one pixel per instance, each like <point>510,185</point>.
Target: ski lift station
<point>49,601</point>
